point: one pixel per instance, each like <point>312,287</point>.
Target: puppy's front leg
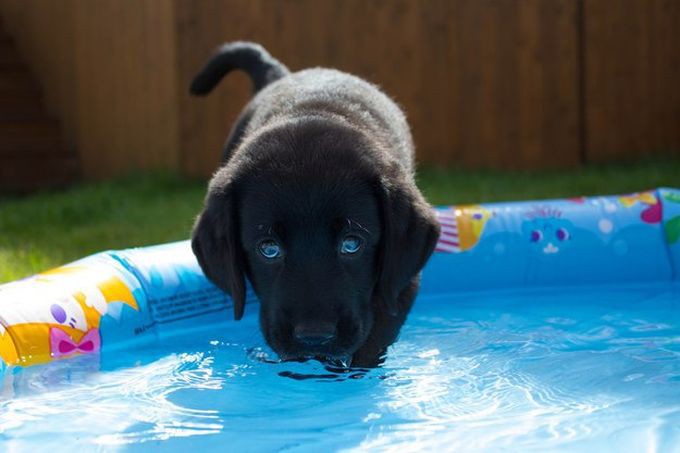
<point>386,328</point>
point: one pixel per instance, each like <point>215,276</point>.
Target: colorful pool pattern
<point>585,240</point>
<point>123,298</point>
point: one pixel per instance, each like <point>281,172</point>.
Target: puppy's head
<point>327,228</point>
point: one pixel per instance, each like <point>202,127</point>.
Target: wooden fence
<point>485,83</point>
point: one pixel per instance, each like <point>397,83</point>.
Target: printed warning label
<point>188,304</point>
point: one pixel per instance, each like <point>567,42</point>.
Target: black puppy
<point>315,203</point>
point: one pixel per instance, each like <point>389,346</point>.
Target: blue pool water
<point>592,369</point>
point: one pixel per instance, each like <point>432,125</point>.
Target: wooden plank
<point>31,137</point>
<point>205,122</point>
<point>632,73</point>
<point>44,32</point>
<point>506,84</point>
<point>107,69</point>
<point>18,174</point>
<point>490,83</point>
<point>485,83</point>
<point>126,76</point>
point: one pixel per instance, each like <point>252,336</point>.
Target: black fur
<point>315,156</point>
<point>247,56</point>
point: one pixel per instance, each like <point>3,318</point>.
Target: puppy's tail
<point>250,57</point>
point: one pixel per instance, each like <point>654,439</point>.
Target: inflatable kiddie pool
<point>120,299</point>
<point>540,326</point>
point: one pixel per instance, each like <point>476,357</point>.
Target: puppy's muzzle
<point>315,334</point>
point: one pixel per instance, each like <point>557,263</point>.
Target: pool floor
<point>591,369</point>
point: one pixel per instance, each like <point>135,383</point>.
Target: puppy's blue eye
<point>350,244</point>
<point>270,249</point>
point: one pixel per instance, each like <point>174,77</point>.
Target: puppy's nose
<point>315,334</point>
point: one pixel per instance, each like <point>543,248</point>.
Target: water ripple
<point>135,403</point>
<point>543,371</point>
<point>462,404</point>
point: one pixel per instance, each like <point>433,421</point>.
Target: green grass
<point>48,229</point>
<point>445,186</point>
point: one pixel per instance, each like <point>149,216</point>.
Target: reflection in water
<point>331,370</point>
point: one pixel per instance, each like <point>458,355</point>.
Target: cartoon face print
<point>478,213</point>
<point>91,287</point>
<point>68,313</point>
<point>546,231</point>
<point>65,310</point>
<point>44,307</point>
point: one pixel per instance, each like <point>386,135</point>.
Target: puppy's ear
<point>215,242</point>
<point>410,233</point>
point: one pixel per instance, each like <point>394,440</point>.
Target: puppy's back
<point>283,96</point>
<point>331,93</point>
